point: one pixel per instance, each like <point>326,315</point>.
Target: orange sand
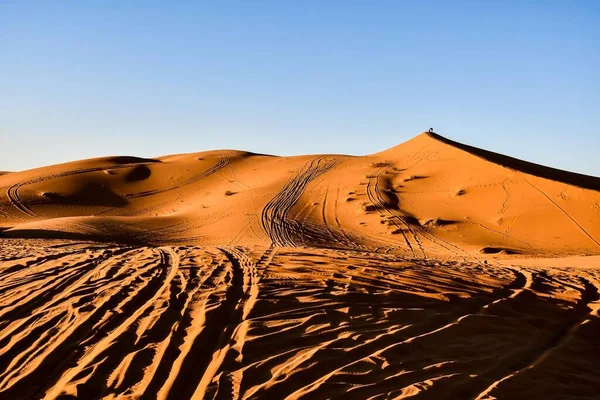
<point>432,269</point>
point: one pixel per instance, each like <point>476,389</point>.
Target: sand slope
<point>424,197</point>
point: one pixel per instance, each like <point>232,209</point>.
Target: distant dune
<point>428,196</point>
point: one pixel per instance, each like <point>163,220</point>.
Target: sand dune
<point>431,270</point>
<point>428,196</point>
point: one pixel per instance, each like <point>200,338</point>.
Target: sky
<point>81,79</point>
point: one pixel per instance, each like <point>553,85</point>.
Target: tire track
<point>229,385</point>
<point>220,164</point>
<point>67,332</point>
<point>566,214</point>
<point>181,365</point>
<point>333,234</point>
<point>48,291</point>
<point>13,191</point>
<point>282,230</point>
<point>375,198</point>
<point>580,315</point>
<point>8,273</point>
<point>364,351</point>
<point>169,261</point>
<point>15,345</point>
<point>230,314</point>
<point>253,215</point>
<point>349,241</point>
<point>254,212</point>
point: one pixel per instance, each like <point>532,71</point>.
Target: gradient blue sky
<point>80,79</point>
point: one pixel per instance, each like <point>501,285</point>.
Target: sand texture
<point>430,270</point>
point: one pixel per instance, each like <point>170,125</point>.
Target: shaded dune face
<point>426,197</point>
<point>413,272</point>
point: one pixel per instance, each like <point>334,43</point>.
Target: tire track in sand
<point>374,195</point>
<point>222,336</point>
<point>371,349</point>
<point>169,261</point>
<point>583,230</point>
<point>376,198</point>
<point>282,230</point>
<point>229,385</point>
<point>220,164</point>
<point>13,191</point>
<point>580,313</point>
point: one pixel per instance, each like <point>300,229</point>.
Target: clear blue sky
<point>89,78</point>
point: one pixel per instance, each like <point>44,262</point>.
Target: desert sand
<point>430,270</point>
